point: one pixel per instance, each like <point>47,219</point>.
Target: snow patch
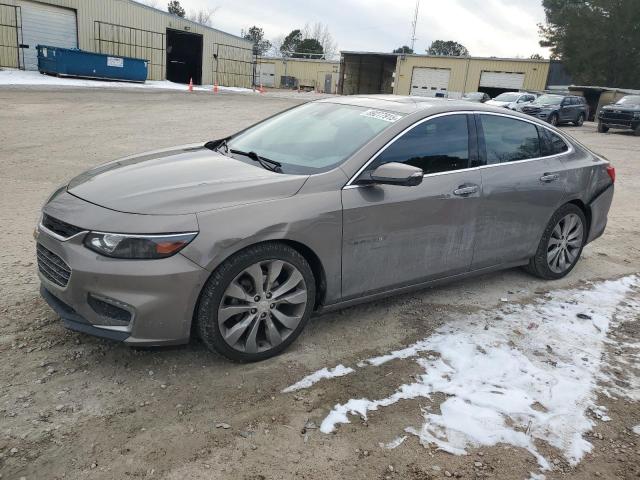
<point>636,429</point>
<point>396,442</point>
<point>531,376</point>
<point>315,377</point>
<point>20,77</point>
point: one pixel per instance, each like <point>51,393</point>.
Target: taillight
<point>611,171</point>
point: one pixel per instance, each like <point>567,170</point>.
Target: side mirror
<point>395,173</point>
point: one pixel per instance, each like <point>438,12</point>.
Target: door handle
<point>549,177</point>
<point>465,190</point>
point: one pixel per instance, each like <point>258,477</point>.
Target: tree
<point>448,48</point>
<point>309,48</point>
<point>203,16</point>
<point>174,8</point>
<point>320,32</point>
<point>256,35</point>
<point>403,49</point>
<point>597,40</point>
<point>536,56</point>
<point>290,43</point>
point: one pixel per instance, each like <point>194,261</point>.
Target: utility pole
<point>414,24</point>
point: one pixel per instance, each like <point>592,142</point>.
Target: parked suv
<point>557,109</point>
<point>625,113</point>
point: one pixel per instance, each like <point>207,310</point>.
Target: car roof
<point>413,104</point>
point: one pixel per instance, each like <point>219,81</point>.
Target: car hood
<point>625,108</point>
<point>181,180</point>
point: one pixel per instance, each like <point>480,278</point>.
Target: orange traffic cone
<point>191,84</point>
<point>215,87</point>
<point>262,90</point>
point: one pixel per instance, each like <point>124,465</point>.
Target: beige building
<point>176,49</point>
<point>310,74</point>
<point>438,76</point>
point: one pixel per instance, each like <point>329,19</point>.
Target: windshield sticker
<point>381,115</point>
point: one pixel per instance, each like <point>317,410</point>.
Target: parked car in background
<point>326,205</point>
<point>625,114</point>
<point>512,100</point>
<point>557,109</point>
<point>479,97</point>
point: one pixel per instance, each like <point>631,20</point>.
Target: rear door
<point>395,236</point>
<point>522,187</point>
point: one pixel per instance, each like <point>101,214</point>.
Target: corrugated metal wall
<point>127,13</point>
<point>309,73</point>
<point>466,72</point>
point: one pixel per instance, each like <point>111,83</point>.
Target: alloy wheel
<point>565,243</point>
<point>262,306</point>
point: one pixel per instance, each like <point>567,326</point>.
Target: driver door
<point>395,236</point>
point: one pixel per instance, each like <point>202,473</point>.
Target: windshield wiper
<point>266,163</point>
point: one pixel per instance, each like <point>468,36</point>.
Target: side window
<point>552,144</point>
<point>508,139</point>
<point>437,145</point>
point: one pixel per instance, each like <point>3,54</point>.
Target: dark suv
<point>625,113</point>
<point>557,109</point>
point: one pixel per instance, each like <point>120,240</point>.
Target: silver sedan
<point>331,203</point>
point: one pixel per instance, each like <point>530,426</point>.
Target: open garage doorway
<point>184,57</point>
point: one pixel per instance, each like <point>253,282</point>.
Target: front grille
<point>59,227</point>
<point>624,116</point>
<point>52,267</point>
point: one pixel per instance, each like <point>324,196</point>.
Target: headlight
<point>636,115</point>
<point>124,245</point>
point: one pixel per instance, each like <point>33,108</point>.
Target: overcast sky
<point>502,28</point>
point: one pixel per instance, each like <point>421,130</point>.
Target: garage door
<point>511,81</point>
<point>268,74</point>
<point>46,25</point>
<point>430,82</point>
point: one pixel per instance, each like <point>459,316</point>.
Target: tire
<point>554,120</point>
<point>602,128</point>
<point>636,131</point>
<point>580,120</point>
<point>544,263</point>
<point>257,330</point>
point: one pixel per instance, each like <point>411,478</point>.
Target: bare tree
<point>276,44</point>
<point>320,32</point>
<point>203,16</point>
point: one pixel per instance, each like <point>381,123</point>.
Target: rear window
<point>508,139</point>
<point>551,143</point>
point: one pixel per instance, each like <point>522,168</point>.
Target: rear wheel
<point>602,128</point>
<point>636,131</point>
<point>580,120</point>
<point>256,303</point>
<point>553,119</point>
<point>561,244</point>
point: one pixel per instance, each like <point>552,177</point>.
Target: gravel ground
<point>74,406</point>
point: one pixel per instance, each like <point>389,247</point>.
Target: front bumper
<point>139,302</point>
<point>543,115</point>
<point>622,123</point>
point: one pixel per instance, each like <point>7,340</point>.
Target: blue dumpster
<point>72,62</point>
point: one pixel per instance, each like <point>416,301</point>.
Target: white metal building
<point>176,49</point>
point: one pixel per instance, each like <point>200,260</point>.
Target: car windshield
<point>314,137</point>
<point>507,97</point>
<point>548,100</point>
<point>629,100</point>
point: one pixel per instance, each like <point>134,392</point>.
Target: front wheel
<point>602,128</point>
<point>256,303</point>
<point>580,120</point>
<point>561,244</point>
<point>553,119</point>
